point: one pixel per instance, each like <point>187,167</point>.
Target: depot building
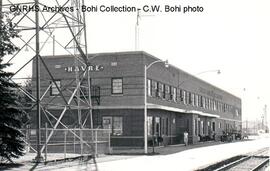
<point>176,100</point>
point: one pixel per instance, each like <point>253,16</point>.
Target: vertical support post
<point>38,157</point>
<point>96,143</point>
<point>74,141</point>
<point>46,145</point>
<point>81,140</point>
<point>1,6</point>
<point>88,76</point>
<point>137,31</point>
<point>109,142</point>
<point>65,144</point>
<point>145,109</point>
<point>53,45</point>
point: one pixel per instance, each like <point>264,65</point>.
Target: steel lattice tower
<point>38,29</point>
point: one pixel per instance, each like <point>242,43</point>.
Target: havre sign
<point>82,68</point>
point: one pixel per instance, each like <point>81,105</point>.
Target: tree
<point>11,115</point>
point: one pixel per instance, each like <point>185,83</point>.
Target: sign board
<point>82,68</point>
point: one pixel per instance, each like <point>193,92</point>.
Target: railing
<point>66,143</point>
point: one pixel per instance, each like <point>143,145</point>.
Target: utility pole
<point>1,6</point>
<point>39,158</point>
<point>265,119</point>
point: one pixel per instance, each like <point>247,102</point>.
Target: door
<point>158,130</point>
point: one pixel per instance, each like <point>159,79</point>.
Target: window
<point>193,99</point>
<point>189,98</point>
<point>197,100</point>
<point>167,91</point>
<point>174,94</point>
<point>149,87</point>
<point>181,95</point>
<point>215,105</point>
<point>149,125</point>
<point>107,123</point>
<point>236,112</point>
<point>184,97</point>
<point>117,125</point>
<point>171,93</point>
<point>163,126</point>
<point>167,126</point>
<point>163,91</point>
<point>219,125</point>
<point>114,124</point>
<point>213,126</point>
<point>54,90</point>
<point>202,128</point>
<point>155,88</point>
<point>194,127</point>
<point>117,85</point>
<point>201,101</point>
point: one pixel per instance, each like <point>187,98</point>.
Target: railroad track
<point>256,161</point>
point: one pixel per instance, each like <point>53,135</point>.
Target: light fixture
<point>166,64</point>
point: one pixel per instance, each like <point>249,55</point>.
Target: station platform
<point>177,157</point>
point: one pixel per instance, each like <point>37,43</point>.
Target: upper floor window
<point>168,92</point>
<point>215,106</point>
<point>54,90</point>
<point>236,112</point>
<point>203,102</point>
<point>193,99</point>
<point>155,88</point>
<point>181,95</point>
<point>149,87</point>
<point>189,98</point>
<point>184,97</point>
<point>117,85</point>
<point>197,100</point>
<point>163,91</point>
<point>174,94</point>
<point>171,93</point>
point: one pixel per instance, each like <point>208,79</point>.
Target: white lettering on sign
<point>82,68</point>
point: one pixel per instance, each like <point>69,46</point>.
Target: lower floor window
<point>149,125</point>
<point>114,124</point>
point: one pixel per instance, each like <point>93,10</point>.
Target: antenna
<point>137,28</point>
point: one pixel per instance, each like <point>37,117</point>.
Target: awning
<point>173,109</point>
<point>203,113</point>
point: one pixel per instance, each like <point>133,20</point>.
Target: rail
<point>252,162</point>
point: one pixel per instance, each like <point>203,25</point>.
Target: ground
<point>172,158</point>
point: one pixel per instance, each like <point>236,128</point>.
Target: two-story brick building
<point>176,101</point>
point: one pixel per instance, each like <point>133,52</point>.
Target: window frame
<point>112,85</point>
<point>149,87</point>
<point>54,87</point>
<point>112,126</point>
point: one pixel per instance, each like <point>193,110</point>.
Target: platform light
<point>146,67</point>
<point>166,64</point>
